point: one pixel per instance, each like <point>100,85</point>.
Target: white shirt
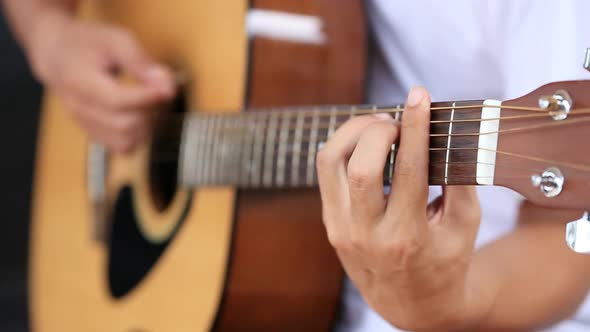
<point>468,49</point>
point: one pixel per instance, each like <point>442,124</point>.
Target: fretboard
<point>277,149</point>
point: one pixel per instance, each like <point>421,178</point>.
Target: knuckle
<point>325,160</point>
<point>360,178</point>
<point>114,101</point>
<point>358,242</point>
<point>123,145</point>
<point>382,126</point>
<point>126,127</point>
<point>121,35</point>
<point>69,82</point>
<point>338,241</point>
<point>401,248</point>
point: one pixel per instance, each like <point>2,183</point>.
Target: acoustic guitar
<point>215,222</point>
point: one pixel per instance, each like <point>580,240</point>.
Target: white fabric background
<point>467,49</point>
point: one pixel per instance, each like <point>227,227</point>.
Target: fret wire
<point>393,151</point>
<point>281,158</point>
<point>207,160</point>
<point>312,150</point>
<point>198,129</point>
<point>257,165</point>
<point>332,122</point>
<point>269,153</point>
<point>449,143</point>
<point>352,112</point>
<point>295,160</point>
<point>221,170</point>
<point>248,147</point>
<point>222,148</point>
<point>187,152</point>
<point>236,149</point>
<point>215,149</point>
<point>210,146</point>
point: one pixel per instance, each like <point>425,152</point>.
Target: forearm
<point>26,17</point>
<point>529,279</point>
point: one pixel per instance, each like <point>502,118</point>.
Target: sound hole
<point>163,166</point>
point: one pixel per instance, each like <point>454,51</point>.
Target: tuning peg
<point>559,104</point>
<point>577,234</point>
<point>587,60</point>
<point>550,182</point>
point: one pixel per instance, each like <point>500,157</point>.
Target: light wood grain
<point>67,272</point>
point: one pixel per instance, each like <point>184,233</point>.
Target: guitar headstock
<point>543,151</point>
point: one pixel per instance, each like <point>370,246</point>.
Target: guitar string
<point>349,110</point>
<point>433,177</point>
<point>174,139</point>
<point>335,112</point>
<point>579,167</point>
<point>324,125</point>
<point>327,125</point>
<point>574,112</point>
<point>507,130</point>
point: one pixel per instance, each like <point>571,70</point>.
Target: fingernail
<point>415,97</point>
<point>157,77</point>
<point>382,116</point>
<point>155,72</point>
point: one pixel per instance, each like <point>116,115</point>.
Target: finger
<point>461,206</point>
<point>120,132</point>
<point>102,89</point>
<point>365,171</point>
<point>410,180</point>
<point>130,58</point>
<point>331,165</point>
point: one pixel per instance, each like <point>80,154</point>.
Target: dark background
<point>19,107</point>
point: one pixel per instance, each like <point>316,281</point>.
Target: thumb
<point>129,58</point>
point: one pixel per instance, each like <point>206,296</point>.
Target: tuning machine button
<point>559,104</point>
<point>577,234</point>
<point>550,182</point>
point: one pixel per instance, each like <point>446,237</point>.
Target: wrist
<point>40,41</point>
<point>463,307</point>
<point>480,294</point>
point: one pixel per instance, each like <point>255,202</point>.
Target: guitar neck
<point>277,149</point>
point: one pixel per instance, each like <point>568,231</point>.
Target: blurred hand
<point>82,63</point>
<point>409,260</point>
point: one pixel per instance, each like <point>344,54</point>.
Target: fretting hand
<point>79,61</point>
<point>409,260</point>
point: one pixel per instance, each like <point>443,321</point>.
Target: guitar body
<point>193,259</point>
